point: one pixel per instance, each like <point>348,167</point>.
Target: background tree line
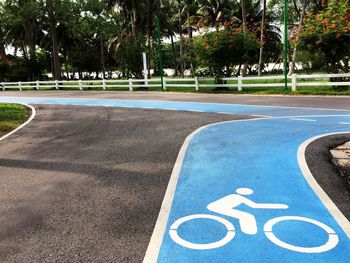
<point>94,38</point>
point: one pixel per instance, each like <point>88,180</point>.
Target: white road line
<point>223,112</point>
<point>24,124</point>
<point>297,119</point>
<point>197,111</point>
<point>262,116</point>
<point>147,108</point>
<point>170,109</point>
<point>126,106</point>
<point>346,123</point>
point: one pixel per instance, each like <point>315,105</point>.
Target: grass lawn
<point>11,116</point>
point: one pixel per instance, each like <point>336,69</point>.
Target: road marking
<point>24,124</point>
<point>196,110</point>
<point>147,108</point>
<point>155,243</point>
<point>223,112</point>
<point>346,123</point>
<point>297,119</point>
<point>261,116</point>
<point>331,243</point>
<point>169,109</point>
<point>164,213</point>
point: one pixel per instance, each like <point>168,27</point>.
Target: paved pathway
<point>260,155</point>
<point>259,158</point>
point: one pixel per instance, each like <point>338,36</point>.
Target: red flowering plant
<point>327,33</point>
<point>221,50</point>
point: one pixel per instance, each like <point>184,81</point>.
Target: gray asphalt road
<point>85,184</point>
<point>332,102</point>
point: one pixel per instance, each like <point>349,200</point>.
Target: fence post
<point>56,84</point>
<point>196,81</point>
<point>20,86</point>
<point>164,84</point>
<point>130,85</point>
<point>80,84</point>
<point>240,83</point>
<point>2,86</point>
<point>294,82</point>
<point>104,84</point>
<point>37,85</point>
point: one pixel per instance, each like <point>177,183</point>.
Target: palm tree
<point>262,38</point>
<point>302,16</point>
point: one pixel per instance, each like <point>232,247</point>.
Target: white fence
<point>196,83</point>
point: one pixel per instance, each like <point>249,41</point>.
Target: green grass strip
<point>12,116</point>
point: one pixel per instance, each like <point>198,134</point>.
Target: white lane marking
<point>261,116</point>
<point>346,123</point>
<point>224,112</point>
<point>168,109</point>
<point>24,124</point>
<point>198,111</point>
<point>299,119</point>
<point>147,107</point>
<point>342,221</point>
<point>126,106</point>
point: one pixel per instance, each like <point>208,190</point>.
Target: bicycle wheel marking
<point>176,238</point>
<point>332,242</point>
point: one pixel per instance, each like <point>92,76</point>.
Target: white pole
<point>294,82</point>
<point>145,69</point>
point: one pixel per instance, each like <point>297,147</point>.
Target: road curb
<point>325,199</point>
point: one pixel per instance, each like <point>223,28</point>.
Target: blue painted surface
<point>259,154</point>
<point>185,106</point>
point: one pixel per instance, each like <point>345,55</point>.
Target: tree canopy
<point>105,38</point>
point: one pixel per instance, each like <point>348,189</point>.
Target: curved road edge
<point>325,199</point>
<point>33,113</point>
<point>162,220</point>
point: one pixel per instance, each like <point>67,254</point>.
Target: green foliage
<point>128,55</point>
<point>327,34</point>
<point>223,49</point>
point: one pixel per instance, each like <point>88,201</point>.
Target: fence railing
<point>239,83</point>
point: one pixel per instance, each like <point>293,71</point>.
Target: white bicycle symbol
<point>248,224</point>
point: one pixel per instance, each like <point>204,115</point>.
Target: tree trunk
<point>245,66</point>
<point>174,52</point>
<point>190,41</point>
<point>54,39</point>
<point>133,18</point>
<point>103,58</point>
<point>3,55</point>
<point>182,66</point>
<point>262,36</point>
<point>149,36</point>
<point>294,57</point>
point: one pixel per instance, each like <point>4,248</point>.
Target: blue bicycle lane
<point>260,155</point>
<point>238,109</point>
<point>256,154</point>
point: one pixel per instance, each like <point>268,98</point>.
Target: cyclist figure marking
<point>226,206</point>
